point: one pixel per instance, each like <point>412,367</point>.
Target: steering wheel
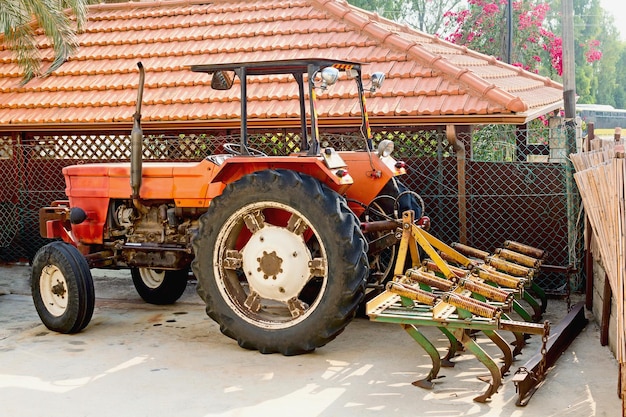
<point>236,148</point>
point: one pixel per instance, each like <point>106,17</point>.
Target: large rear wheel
<point>62,288</point>
<point>280,261</point>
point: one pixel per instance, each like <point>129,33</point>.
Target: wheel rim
<point>381,263</point>
<point>152,278</point>
<point>271,265</point>
<point>53,290</point>
<point>276,263</point>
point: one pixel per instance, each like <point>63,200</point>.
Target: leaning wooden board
<point>601,179</point>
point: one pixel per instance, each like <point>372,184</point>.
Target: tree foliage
<point>425,15</point>
<point>598,83</point>
<point>619,92</point>
<point>16,18</point>
<point>536,45</point>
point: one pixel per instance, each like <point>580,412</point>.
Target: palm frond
<point>57,27</point>
<point>17,24</point>
<point>20,38</point>
<point>79,9</point>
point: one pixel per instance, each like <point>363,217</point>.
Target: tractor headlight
<point>377,79</point>
<point>385,148</point>
<point>329,76</point>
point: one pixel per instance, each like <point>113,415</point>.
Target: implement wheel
<point>280,261</point>
<point>62,288</point>
<point>158,286</point>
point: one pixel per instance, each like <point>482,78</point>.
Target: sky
<point>618,9</point>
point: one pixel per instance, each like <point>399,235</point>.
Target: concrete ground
<point>136,359</point>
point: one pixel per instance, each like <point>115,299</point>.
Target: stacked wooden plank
<point>600,176</point>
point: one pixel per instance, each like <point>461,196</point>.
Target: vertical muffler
<point>136,145</point>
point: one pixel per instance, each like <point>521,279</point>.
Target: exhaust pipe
<point>136,146</point>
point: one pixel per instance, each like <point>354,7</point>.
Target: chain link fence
<point>515,187</point>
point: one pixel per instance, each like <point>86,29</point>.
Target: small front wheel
<point>158,286</point>
<point>62,288</point>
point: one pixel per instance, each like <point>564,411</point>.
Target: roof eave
<point>289,123</point>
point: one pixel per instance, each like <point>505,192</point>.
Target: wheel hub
<point>59,289</point>
<point>269,265</point>
<point>53,289</point>
<point>276,262</point>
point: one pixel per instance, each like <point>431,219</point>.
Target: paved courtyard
<point>136,359</point>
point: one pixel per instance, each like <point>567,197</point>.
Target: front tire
<point>62,288</point>
<point>158,286</point>
<point>280,261</point>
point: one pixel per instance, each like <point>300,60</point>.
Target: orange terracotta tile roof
<point>429,81</point>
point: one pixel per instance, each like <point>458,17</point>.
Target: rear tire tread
<point>337,226</point>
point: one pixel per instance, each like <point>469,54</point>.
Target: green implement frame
<point>476,294</point>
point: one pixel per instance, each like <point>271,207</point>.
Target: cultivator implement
<point>461,290</point>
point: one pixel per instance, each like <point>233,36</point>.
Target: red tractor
<point>277,243</point>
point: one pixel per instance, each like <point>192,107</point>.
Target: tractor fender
<point>232,169</point>
<point>359,176</point>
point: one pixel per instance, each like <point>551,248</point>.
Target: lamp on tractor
<point>277,243</point>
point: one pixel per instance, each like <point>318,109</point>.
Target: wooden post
<point>569,66</point>
<point>622,386</point>
<point>620,264</point>
<point>588,260</point>
<point>459,150</point>
<point>606,312</point>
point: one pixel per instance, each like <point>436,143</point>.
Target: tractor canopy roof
<point>321,74</point>
<point>287,66</point>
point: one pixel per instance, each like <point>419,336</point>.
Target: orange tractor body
<point>195,184</point>
<point>283,247</point>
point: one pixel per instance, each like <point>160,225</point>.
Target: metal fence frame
<point>504,199</point>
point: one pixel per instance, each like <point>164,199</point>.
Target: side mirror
<point>222,80</point>
<point>377,81</point>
